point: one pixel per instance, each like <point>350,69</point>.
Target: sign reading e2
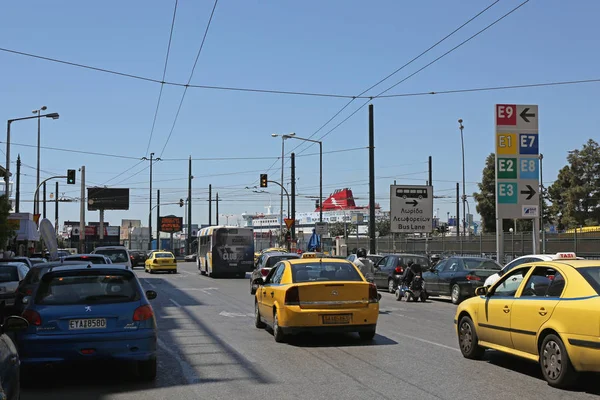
<point>507,168</point>
<point>506,114</point>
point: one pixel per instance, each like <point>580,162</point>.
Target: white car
<point>116,254</point>
<point>526,259</point>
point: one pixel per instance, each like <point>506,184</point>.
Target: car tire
<point>277,332</point>
<point>468,342</point>
<point>257,321</point>
<point>399,295</point>
<point>455,294</point>
<point>147,370</point>
<point>367,335</point>
<point>252,289</point>
<point>555,363</point>
<point>391,286</point>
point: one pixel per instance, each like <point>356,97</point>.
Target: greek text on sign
<point>170,224</point>
<point>411,209</point>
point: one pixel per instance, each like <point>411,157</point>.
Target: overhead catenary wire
<point>190,78</point>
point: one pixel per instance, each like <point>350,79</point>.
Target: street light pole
<point>464,196</point>
<point>36,205</point>
<point>542,191</point>
<point>283,137</point>
<point>151,159</point>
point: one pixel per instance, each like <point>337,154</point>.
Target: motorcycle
<point>415,292</point>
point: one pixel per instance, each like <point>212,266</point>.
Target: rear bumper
<point>162,267</point>
<point>467,288</point>
<point>584,352</point>
<point>328,329</point>
<point>295,318</point>
<point>55,349</point>
<point>8,299</point>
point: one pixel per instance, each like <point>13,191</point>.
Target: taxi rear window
<point>321,271</point>
<point>592,276</point>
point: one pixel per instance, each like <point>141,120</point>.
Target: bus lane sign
<point>411,209</point>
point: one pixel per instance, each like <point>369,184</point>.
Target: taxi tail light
<point>264,271</point>
<point>292,296</point>
<point>33,317</point>
<point>473,278</point>
<point>373,295</point>
<point>155,261</point>
<point>398,270</point>
<point>143,313</point>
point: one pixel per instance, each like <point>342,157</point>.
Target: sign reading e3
<point>507,193</point>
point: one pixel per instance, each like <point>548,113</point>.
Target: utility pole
<point>541,191</point>
<point>209,205</point>
<point>372,237</point>
<point>151,159</point>
<point>18,189</point>
<point>189,210</point>
<point>82,213</point>
<point>217,208</point>
<point>430,183</point>
<point>293,184</point>
<point>56,209</point>
<point>458,216</point>
<point>158,219</point>
<point>44,208</point>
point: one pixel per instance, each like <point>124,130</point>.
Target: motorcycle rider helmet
<point>361,253</point>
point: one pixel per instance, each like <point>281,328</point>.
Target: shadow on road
<point>337,340</point>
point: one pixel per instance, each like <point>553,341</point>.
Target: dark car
<point>458,277</point>
<point>391,267</point>
<point>93,258</point>
<point>138,258</point>
<point>10,388</point>
<point>35,261</point>
<point>264,264</point>
<point>24,260</point>
<point>373,257</point>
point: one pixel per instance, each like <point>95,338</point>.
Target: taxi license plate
<point>337,319</point>
<point>91,323</point>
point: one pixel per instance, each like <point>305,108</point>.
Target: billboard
<point>100,198</point>
<point>126,224</point>
<point>170,224</point>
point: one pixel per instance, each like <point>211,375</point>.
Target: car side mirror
<point>258,281</point>
<point>151,294</point>
<point>26,300</point>
<point>481,291</point>
<point>14,324</point>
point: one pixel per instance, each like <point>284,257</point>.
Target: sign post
<point>517,169</point>
<point>411,209</point>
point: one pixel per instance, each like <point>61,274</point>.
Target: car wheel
<point>455,294</point>
<point>252,288</point>
<point>367,335</point>
<point>556,365</point>
<point>147,370</point>
<point>257,321</point>
<point>468,341</point>
<point>398,295</point>
<point>277,332</point>
<point>391,286</point>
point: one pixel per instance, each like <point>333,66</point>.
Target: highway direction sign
<point>517,161</point>
<point>411,208</point>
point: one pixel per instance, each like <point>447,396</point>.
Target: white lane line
<point>149,284</point>
<point>188,273</point>
<point>189,373</point>
<point>176,303</point>
<point>424,341</point>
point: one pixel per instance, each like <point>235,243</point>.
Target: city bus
<point>225,251</point>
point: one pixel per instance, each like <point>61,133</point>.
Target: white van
<point>117,254</point>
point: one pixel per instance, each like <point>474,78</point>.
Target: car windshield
<point>86,288</point>
<point>474,263</point>
<point>375,259</point>
<point>422,261</point>
<point>163,255</point>
<point>275,259</point>
<point>35,274</point>
<point>115,255</point>
<point>92,259</point>
<point>9,273</point>
<point>592,276</point>
<point>323,271</point>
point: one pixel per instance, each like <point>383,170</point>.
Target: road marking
<point>188,273</point>
<point>189,372</point>
<point>425,341</point>
<point>176,303</point>
<point>233,315</point>
<point>149,284</point>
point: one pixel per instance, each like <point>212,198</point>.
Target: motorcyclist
<point>435,259</point>
<point>412,270</point>
<point>365,265</point>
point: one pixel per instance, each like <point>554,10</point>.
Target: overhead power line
<point>191,76</point>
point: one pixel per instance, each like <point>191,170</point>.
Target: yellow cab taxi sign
<point>311,254</point>
<point>566,256</point>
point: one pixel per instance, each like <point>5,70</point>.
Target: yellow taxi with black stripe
<point>547,312</point>
<point>316,295</point>
<point>161,261</point>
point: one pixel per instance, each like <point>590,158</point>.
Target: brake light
<point>292,296</point>
<point>155,261</point>
<point>143,313</point>
<point>28,292</point>
<point>373,295</point>
<point>473,278</point>
<point>33,317</point>
<point>264,271</point>
<point>398,270</point>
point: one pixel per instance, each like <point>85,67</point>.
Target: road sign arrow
<point>529,192</point>
<point>414,203</point>
<point>525,115</point>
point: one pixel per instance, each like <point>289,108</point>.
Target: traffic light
<point>263,180</point>
<point>316,204</point>
<point>180,202</point>
<point>70,176</point>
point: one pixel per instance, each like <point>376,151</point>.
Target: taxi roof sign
<point>566,255</point>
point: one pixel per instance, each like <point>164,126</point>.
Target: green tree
<point>575,194</point>
<point>382,226</point>
<point>337,229</point>
<point>6,232</point>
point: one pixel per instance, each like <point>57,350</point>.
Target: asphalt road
<point>210,349</point>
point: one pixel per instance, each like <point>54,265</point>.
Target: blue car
<point>89,314</point>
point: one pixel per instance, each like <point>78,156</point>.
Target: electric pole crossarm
<point>286,193</point>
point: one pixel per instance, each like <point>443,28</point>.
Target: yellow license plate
<point>337,319</point>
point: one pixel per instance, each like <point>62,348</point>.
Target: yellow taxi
<point>316,295</point>
<point>547,312</point>
<point>161,261</point>
<point>312,254</point>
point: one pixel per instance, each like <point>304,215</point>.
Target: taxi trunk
<point>330,295</point>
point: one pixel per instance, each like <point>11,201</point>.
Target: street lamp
<point>36,204</point>
<point>464,196</point>
<point>151,159</point>
<point>320,172</point>
<point>283,137</point>
<point>227,218</point>
<point>512,236</point>
<point>10,121</point>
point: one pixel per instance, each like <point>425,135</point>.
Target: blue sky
<point>331,46</point>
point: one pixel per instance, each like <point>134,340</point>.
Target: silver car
<point>265,262</point>
<point>10,276</point>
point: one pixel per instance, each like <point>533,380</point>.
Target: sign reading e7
<point>506,114</point>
